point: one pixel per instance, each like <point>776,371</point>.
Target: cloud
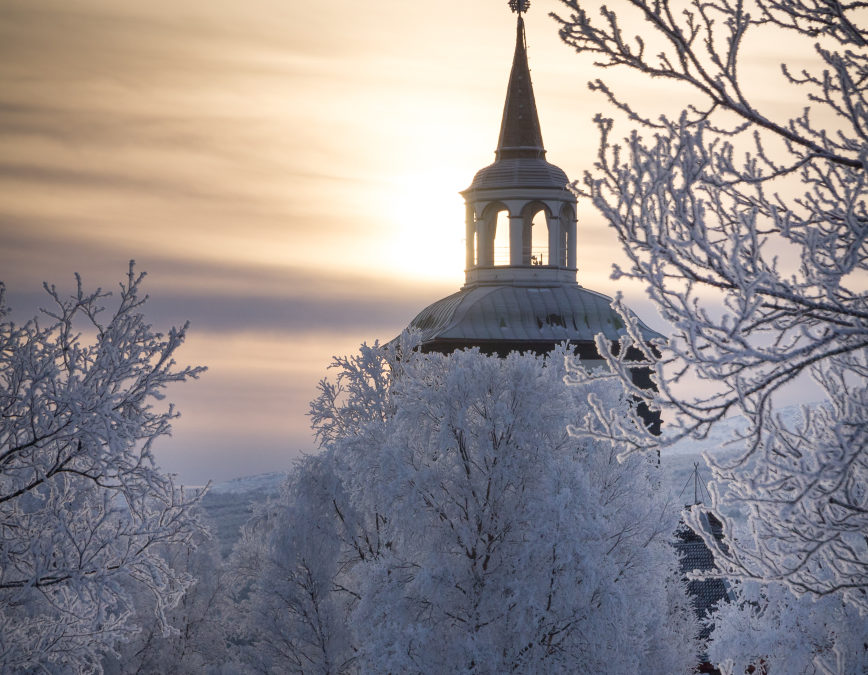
<point>47,177</point>
<point>283,170</point>
<point>223,296</point>
<point>371,314</point>
<point>266,334</point>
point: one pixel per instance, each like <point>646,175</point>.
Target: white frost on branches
<point>750,232</point>
<point>83,509</point>
<point>767,626</point>
<point>452,525</point>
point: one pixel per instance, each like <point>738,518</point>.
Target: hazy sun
<point>426,221</point>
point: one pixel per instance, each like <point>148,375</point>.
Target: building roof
<point>515,313</point>
<point>521,306</point>
<point>696,556</point>
<point>520,155</point>
<point>520,133</point>
<point>520,172</point>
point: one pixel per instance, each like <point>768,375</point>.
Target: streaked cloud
<point>287,172</point>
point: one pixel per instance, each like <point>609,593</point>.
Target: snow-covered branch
<point>456,527</point>
<point>83,508</point>
<point>759,264</point>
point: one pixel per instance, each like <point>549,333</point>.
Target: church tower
<point>524,295</point>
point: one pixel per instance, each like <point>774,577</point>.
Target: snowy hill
<point>263,482</point>
<point>677,461</point>
<point>229,505</point>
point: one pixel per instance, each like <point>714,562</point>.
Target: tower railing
<point>539,256</point>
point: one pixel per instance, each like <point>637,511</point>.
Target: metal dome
<point>521,314</point>
<point>519,172</point>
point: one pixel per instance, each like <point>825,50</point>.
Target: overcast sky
<point>286,172</point>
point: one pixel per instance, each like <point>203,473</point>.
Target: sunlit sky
<point>286,172</point>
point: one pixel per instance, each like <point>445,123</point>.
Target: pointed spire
<point>520,134</point>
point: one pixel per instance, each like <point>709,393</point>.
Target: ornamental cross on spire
<point>519,6</point>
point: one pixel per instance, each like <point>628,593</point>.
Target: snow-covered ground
<point>263,482</point>
<point>678,461</point>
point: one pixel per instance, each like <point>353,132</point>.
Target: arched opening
<point>539,240</point>
<point>535,235</point>
<point>501,238</point>
<point>490,243</point>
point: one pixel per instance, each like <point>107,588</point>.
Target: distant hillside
<point>261,482</point>
<point>229,505</point>
<point>677,461</point>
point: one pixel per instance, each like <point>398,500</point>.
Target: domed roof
<point>525,314</point>
<point>519,172</point>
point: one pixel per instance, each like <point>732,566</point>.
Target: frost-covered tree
<point>513,547</point>
<point>766,625</point>
<point>287,567</point>
<point>452,525</point>
<point>199,640</point>
<point>84,512</point>
<point>748,225</point>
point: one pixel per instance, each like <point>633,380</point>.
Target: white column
<point>469,233</point>
<point>571,244</point>
<point>516,230</point>
<point>554,253</point>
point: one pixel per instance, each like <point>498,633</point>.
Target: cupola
<point>519,192</point>
<point>525,298</point>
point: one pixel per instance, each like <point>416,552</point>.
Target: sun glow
<point>426,219</point>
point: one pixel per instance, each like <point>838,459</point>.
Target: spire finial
<point>520,134</point>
